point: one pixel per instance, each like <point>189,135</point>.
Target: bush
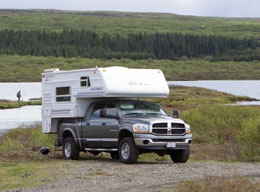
<point>22,142</point>
<point>219,184</point>
<point>234,126</point>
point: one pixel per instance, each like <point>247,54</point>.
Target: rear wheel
<point>127,151</point>
<point>70,149</point>
<point>180,156</point>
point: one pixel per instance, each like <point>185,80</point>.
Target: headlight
<point>141,128</point>
<point>187,128</point>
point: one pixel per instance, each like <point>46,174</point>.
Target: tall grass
<point>13,104</point>
<point>237,127</point>
<point>24,143</point>
<point>219,184</point>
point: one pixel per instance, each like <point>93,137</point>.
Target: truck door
<point>101,130</point>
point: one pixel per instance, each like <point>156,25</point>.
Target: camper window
<point>84,82</point>
<point>62,94</point>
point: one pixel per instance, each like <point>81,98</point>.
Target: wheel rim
<point>67,149</point>
<point>125,151</point>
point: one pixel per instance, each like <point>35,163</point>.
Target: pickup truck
<point>125,129</point>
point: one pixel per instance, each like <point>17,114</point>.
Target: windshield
<point>136,108</point>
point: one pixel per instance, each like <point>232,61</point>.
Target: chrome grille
<point>168,128</point>
<point>177,125</point>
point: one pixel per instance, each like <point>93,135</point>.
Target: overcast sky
<point>223,8</point>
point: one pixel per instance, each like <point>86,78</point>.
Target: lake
<point>8,91</point>
<point>24,116</point>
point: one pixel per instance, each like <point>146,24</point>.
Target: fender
<point>71,131</point>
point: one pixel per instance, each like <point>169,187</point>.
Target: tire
<point>128,152</point>
<point>115,155</point>
<point>180,156</point>
<point>70,149</point>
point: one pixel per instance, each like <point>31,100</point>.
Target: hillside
<point>15,68</point>
<point>124,23</point>
<point>184,47</point>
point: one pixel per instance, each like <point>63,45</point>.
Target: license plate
<point>171,145</point>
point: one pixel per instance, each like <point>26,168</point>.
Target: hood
<point>152,119</point>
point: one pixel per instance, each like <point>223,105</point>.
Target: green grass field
<point>124,23</point>
<point>221,133</point>
<point>28,68</point>
<point>4,104</point>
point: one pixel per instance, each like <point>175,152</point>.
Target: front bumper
<point>155,142</point>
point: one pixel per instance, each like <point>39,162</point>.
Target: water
<point>240,88</point>
<point>28,115</point>
<point>8,91</point>
<point>19,117</point>
<point>24,116</point>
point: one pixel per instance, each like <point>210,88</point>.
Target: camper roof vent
<point>51,70</point>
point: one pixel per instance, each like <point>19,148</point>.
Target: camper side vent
<point>84,81</point>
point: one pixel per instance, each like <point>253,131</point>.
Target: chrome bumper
<point>154,142</point>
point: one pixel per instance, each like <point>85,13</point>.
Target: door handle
<point>103,124</point>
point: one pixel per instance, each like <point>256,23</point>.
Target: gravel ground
<point>106,175</point>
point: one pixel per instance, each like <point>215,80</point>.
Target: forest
<point>89,44</point>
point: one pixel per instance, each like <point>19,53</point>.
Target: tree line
<point>73,43</point>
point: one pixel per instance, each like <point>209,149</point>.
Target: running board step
<point>100,149</point>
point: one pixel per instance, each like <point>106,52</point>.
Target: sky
<point>219,8</point>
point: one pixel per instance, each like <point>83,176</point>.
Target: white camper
<point>67,94</point>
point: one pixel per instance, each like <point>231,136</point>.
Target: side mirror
<point>175,113</point>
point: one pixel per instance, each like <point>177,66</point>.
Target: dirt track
<point>106,175</point>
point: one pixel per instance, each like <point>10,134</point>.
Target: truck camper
<point>98,110</point>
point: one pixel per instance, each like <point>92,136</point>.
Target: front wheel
<point>127,151</point>
<point>180,156</point>
<point>70,149</point>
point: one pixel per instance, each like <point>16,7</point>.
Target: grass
<point>124,23</point>
<point>211,125</point>
<point>24,143</point>
<point>221,133</point>
<point>186,98</point>
<point>234,183</point>
<point>180,97</point>
<point>4,104</point>
<point>29,68</point>
<point>14,175</point>
<point>233,130</point>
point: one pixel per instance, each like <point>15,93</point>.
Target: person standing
<point>19,95</point>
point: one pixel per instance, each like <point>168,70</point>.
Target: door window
<point>96,113</point>
<point>111,111</point>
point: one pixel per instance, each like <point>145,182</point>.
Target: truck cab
<point>125,129</point>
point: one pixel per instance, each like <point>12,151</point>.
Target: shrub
<point>219,184</point>
<point>235,126</point>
